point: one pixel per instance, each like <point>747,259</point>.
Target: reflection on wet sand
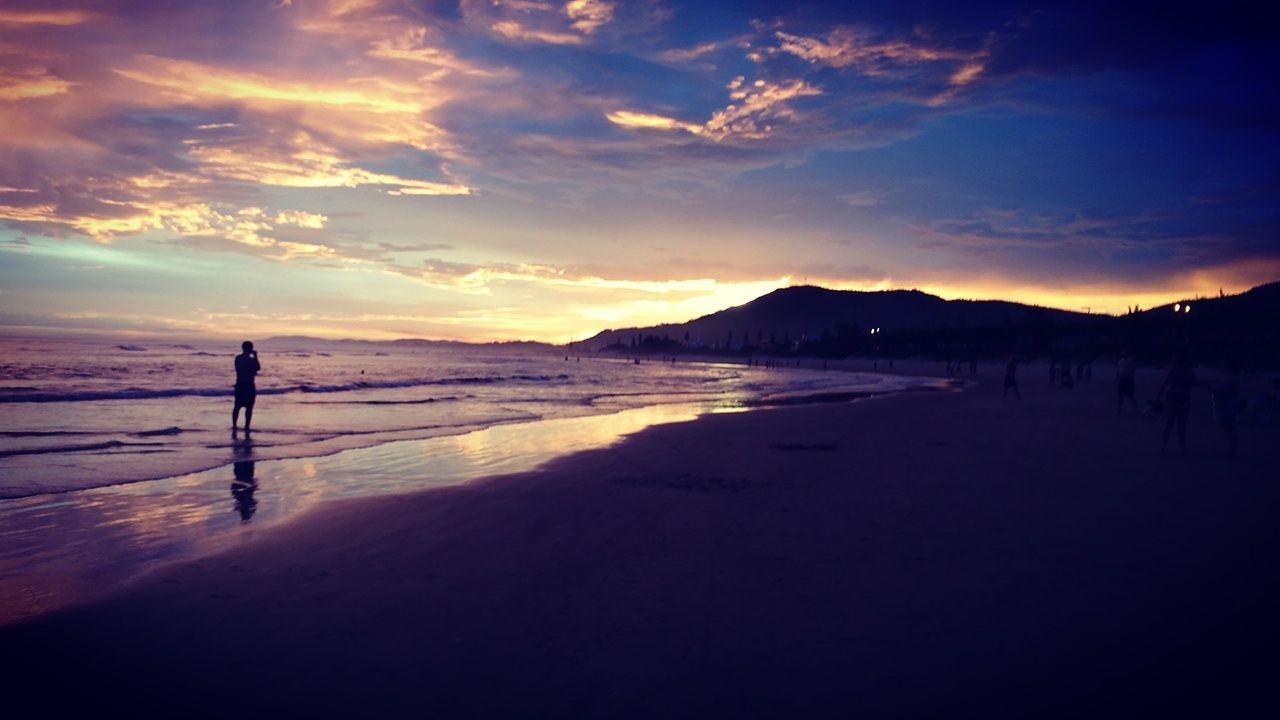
<point>244,486</point>
<point>242,489</point>
<point>63,548</point>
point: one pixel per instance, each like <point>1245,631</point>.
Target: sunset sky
<point>544,170</point>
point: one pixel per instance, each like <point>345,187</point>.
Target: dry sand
<point>935,554</point>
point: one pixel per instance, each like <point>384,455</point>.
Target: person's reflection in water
<point>242,489</point>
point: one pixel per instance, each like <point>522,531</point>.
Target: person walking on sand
<point>1011,379</point>
<point>1125,369</point>
<point>1226,401</point>
<point>247,367</point>
<point>1176,393</point>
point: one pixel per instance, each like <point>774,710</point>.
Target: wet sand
<point>933,554</point>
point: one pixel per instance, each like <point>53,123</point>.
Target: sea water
<point>117,458</point>
<point>77,414</point>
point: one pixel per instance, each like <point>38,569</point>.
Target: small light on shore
<point>1177,307</point>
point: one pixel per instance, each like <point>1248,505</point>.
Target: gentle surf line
<point>24,396</point>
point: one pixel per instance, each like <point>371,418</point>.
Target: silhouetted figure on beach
<point>242,489</point>
<point>1011,379</point>
<point>1175,391</point>
<point>247,367</point>
<point>1226,402</point>
<point>1126,367</point>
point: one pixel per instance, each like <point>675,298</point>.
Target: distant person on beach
<point>247,367</point>
<point>1125,369</point>
<point>1175,391</point>
<point>1226,402</point>
<point>1011,379</point>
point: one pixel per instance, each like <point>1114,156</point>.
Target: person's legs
<point>248,414</point>
<point>1183,412</point>
<point>235,415</point>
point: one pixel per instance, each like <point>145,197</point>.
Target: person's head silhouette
<point>246,346</point>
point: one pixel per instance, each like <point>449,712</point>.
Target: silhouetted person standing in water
<point>246,392</point>
<point>1011,379</point>
<point>1176,391</point>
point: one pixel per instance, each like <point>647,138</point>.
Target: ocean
<point>117,458</point>
<point>76,415</point>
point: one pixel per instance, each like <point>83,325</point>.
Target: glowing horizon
<point>545,170</point>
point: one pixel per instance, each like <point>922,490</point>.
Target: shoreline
<point>60,528</point>
<point>229,453</point>
<point>819,559</point>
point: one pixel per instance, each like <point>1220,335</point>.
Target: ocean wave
<point>45,433</point>
<point>174,430</point>
<point>136,393</point>
<point>420,401</point>
<point>83,447</point>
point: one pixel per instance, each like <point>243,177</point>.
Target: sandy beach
<point>928,554</point>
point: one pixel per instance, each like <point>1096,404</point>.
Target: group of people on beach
<point>1173,400</point>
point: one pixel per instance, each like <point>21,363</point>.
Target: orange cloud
<point>858,49</point>
<point>677,55</point>
<point>302,219</point>
<point>249,226</point>
<point>193,80</point>
<point>627,118</point>
<point>513,30</point>
<point>30,83</point>
<point>588,15</point>
<point>307,163</point>
<point>375,110</point>
<point>410,46</point>
<point>750,117</point>
<point>44,17</point>
<point>852,47</point>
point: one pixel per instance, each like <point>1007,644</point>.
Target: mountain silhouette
<point>812,320</point>
<point>807,312</point>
